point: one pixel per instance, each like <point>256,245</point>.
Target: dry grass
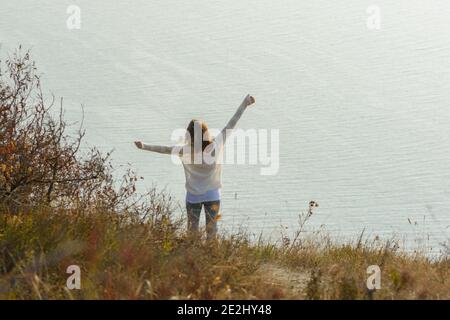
<point>125,257</point>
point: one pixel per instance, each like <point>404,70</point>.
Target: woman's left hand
<point>250,100</point>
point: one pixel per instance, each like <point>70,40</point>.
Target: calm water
<point>363,114</point>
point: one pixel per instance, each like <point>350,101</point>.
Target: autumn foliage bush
<point>40,163</point>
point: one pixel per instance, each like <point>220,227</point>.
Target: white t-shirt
<point>203,177</point>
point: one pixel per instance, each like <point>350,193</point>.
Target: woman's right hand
<point>138,144</point>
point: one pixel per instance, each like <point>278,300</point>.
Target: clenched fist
<point>249,100</point>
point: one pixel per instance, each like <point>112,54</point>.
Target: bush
<point>39,162</point>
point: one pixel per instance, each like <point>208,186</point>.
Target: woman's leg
<point>193,213</point>
<point>211,211</point>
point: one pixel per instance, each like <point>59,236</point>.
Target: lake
<point>363,112</point>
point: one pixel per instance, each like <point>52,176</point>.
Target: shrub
<point>39,162</point>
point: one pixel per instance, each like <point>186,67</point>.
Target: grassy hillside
<point>122,256</point>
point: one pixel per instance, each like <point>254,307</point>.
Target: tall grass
<point>124,256</point>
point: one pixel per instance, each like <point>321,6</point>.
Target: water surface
<point>363,114</point>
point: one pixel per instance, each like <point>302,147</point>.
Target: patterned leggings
<point>211,212</point>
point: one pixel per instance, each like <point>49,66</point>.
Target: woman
<point>202,169</point>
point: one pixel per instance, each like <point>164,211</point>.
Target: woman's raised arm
<point>248,100</point>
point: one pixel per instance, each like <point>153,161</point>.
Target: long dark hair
<point>206,137</point>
